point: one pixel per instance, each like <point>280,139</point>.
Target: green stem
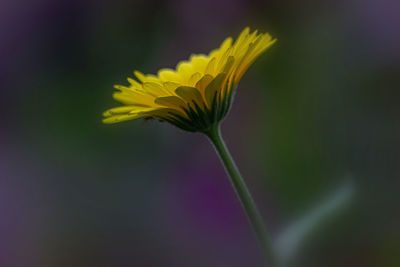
<point>243,193</point>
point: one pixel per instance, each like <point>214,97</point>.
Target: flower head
<point>198,93</point>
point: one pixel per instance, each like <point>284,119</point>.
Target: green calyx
<point>200,117</point>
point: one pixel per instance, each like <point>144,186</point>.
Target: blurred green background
<point>321,106</point>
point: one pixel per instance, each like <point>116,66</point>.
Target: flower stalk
<point>242,192</point>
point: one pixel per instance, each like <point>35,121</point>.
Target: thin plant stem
<point>242,193</point>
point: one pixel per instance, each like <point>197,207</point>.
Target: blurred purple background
<point>320,105</point>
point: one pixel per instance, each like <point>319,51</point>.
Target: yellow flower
<point>198,93</point>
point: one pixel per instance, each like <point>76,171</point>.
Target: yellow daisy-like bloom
<point>198,93</point>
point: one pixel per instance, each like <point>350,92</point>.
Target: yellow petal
<point>250,60</point>
<point>124,99</point>
<point>169,75</point>
<point>184,68</point>
<point>152,78</point>
<point>119,118</point>
<point>194,78</point>
<point>154,89</point>
<point>214,87</point>
<point>229,64</point>
<point>121,110</point>
<point>226,44</point>
<point>241,39</point>
<point>210,66</point>
<point>199,62</point>
<point>190,94</point>
<point>133,82</point>
<point>141,77</point>
<point>121,87</point>
<point>203,82</point>
<point>142,110</point>
<point>170,101</point>
<point>171,86</point>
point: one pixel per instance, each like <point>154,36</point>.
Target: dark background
<point>321,105</point>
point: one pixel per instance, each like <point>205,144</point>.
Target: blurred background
<point>321,106</point>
